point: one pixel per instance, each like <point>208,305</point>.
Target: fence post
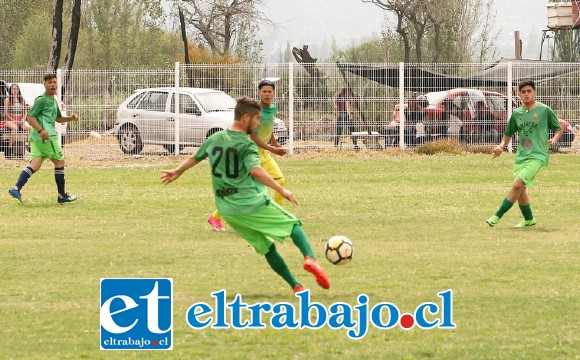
<point>176,110</point>
<point>402,105</point>
<point>510,101</point>
<point>291,108</point>
<point>59,96</point>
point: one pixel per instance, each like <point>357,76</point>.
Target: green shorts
<point>262,228</point>
<point>49,149</point>
<point>527,171</point>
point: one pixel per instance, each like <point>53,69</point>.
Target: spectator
<point>414,114</point>
<point>344,123</point>
<point>3,94</point>
<point>14,112</point>
<point>484,121</point>
<point>454,124</point>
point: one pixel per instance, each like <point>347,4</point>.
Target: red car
<point>465,103</point>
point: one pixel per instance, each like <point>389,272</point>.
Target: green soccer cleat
<point>526,223</point>
<point>492,221</point>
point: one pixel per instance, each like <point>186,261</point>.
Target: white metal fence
<point>307,96</point>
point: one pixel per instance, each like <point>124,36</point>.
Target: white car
<point>148,117</point>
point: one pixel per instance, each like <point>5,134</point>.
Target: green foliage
<point>515,290</point>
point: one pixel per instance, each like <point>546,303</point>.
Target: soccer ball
<point>339,250</point>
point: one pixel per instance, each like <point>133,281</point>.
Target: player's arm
<point>64,119</point>
<point>500,148</point>
<point>172,175</point>
<point>554,125</point>
<point>262,176</point>
<point>36,126</point>
<point>261,143</point>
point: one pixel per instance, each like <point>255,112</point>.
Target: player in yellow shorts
<point>266,141</point>
<point>238,182</point>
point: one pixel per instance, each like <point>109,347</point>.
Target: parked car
<point>466,101</point>
<point>148,117</point>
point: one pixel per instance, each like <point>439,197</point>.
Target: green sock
<point>279,266</point>
<point>527,211</point>
<point>505,206</point>
<point>301,241</point>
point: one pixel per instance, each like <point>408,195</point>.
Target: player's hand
<point>289,196</point>
<point>279,151</point>
<point>551,142</point>
<point>74,117</point>
<point>497,151</point>
<point>44,134</point>
<point>169,176</point>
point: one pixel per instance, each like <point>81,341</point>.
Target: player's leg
<point>215,220</point>
<point>528,174</point>
<point>310,264</point>
<point>36,158</point>
<point>272,168</point>
<point>526,209</point>
<point>57,158</point>
<point>279,266</point>
<point>507,202</point>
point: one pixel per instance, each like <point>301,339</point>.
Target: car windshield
<point>216,101</point>
<point>436,97</point>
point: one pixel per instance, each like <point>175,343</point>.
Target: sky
<point>348,21</point>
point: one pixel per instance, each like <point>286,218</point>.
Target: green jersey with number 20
<point>232,155</point>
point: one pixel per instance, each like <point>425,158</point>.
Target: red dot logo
<point>154,342</point>
<point>407,321</point>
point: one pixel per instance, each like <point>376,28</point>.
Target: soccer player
<point>238,182</point>
<point>532,121</point>
<point>262,137</point>
<point>44,142</point>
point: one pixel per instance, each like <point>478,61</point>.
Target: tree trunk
<point>72,43</point>
<point>54,56</point>
<point>185,48</point>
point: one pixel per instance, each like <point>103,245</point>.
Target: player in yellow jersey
<point>267,144</point>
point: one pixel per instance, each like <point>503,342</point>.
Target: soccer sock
<point>527,211</point>
<point>23,178</point>
<point>278,198</point>
<point>279,266</point>
<point>505,206</point>
<point>59,178</point>
<point>216,215</point>
<point>301,241</point>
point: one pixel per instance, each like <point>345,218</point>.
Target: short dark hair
<point>246,105</point>
<point>527,83</point>
<point>266,82</point>
<point>49,76</point>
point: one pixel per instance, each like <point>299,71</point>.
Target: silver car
<point>148,117</point>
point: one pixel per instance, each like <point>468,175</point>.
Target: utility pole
<point>518,45</point>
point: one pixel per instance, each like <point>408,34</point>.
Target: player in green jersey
<point>43,141</point>
<point>532,121</point>
<point>238,181</point>
<point>267,144</point>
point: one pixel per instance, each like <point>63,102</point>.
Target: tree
<point>13,17</point>
<point>226,27</point>
<point>443,30</point>
<point>54,56</point>
<point>72,41</point>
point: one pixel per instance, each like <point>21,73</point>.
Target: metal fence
<point>468,102</point>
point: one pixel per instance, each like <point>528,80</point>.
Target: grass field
<point>417,223</point>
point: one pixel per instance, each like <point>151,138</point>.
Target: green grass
<point>417,224</point>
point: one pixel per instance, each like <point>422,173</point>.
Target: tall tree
<point>54,56</point>
<point>226,27</point>
<point>72,41</point>
<point>185,47</point>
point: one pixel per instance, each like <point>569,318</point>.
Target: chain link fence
<point>344,106</point>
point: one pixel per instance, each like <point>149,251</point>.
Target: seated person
<point>484,121</point>
<point>454,123</point>
<point>15,113</point>
<point>414,115</point>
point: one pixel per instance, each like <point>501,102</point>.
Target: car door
<point>191,117</point>
<point>154,121</point>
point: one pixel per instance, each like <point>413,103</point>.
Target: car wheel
<point>171,148</point>
<point>130,140</point>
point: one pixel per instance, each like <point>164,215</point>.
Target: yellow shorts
<point>269,164</point>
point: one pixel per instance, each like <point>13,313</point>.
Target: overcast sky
<point>312,21</point>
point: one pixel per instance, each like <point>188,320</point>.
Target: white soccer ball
<point>339,250</point>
